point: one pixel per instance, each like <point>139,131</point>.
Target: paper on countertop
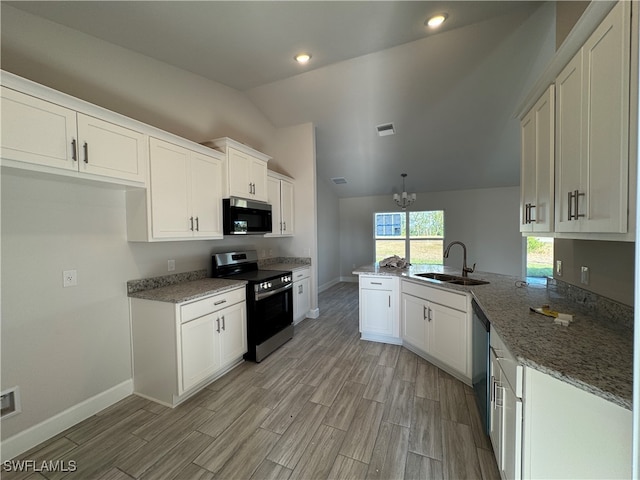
<point>394,261</point>
<point>560,318</point>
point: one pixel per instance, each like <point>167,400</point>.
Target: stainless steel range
<point>269,301</point>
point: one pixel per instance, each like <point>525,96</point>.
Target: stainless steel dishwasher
<point>480,367</point>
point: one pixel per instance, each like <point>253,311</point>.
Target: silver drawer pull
<point>220,302</point>
<point>376,283</point>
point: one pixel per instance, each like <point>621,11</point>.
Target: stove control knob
<point>269,285</point>
<point>263,285</point>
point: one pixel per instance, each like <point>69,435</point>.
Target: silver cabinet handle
<point>299,289</point>
<point>531,220</point>
<point>569,198</point>
<point>285,226</point>
<point>424,312</point>
<point>218,322</point>
<point>376,283</point>
<point>191,220</point>
<point>430,313</point>
<point>74,150</point>
<point>389,301</point>
<point>573,197</point>
<point>86,152</point>
<point>197,224</point>
<point>223,323</point>
<point>220,302</point>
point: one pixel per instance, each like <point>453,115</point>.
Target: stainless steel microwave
<point>245,217</point>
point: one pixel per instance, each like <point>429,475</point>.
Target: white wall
<point>62,346</point>
<point>486,220</point>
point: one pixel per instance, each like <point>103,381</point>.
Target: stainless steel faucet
<point>465,270</point>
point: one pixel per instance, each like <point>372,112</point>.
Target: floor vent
<point>339,180</point>
<point>386,129</point>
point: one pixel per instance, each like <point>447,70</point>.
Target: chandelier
<point>405,199</point>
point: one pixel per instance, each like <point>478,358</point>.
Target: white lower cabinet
<point>379,312</point>
<point>505,425</point>
<point>301,293</point>
<point>542,427</point>
<point>179,348</point>
<point>436,325</point>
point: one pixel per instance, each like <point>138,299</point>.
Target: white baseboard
<point>351,278</point>
<point>32,436</point>
<point>328,285</point>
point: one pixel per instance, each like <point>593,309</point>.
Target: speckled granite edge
<point>602,306</point>
<point>265,262</point>
<point>134,286</point>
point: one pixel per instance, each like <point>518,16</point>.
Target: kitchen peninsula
<point>577,379</point>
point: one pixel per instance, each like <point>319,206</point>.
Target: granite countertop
<point>594,353</point>
<point>285,266</point>
<point>188,290</point>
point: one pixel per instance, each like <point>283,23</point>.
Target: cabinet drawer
<point>301,274</point>
<point>508,363</point>
<point>211,304</point>
<point>457,301</point>
<point>376,283</point>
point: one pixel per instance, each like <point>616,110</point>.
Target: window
<point>539,258</point>
<point>421,243</point>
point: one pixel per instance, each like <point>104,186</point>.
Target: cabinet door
<point>527,170</point>
<point>511,464</point>
<point>606,83</point>
<point>569,143</point>
<point>258,177</point>
<point>239,166</point>
<point>110,150</point>
<point>233,335</point>
<point>448,336</point>
<point>170,190</point>
<point>273,189</point>
<point>376,311</point>
<point>542,211</point>
<point>286,206</point>
<point>495,412</point>
<point>36,131</point>
<point>206,195</point>
<point>301,299</point>
<point>199,356</point>
<point>414,321</point>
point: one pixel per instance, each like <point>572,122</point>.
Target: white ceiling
<point>451,94</point>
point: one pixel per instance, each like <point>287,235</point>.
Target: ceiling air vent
<point>339,180</point>
<point>385,129</point>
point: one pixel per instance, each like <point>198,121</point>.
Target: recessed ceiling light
<point>436,20</point>
<point>303,58</point>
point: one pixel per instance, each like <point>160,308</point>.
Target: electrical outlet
<point>584,275</point>
<point>69,278</point>
<point>171,265</point>
<point>559,268</point>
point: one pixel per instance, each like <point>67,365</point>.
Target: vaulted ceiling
<point>451,93</point>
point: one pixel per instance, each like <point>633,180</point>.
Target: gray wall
<point>611,266</point>
<point>328,236</point>
<point>486,220</point>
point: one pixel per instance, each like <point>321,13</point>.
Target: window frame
<point>407,239</point>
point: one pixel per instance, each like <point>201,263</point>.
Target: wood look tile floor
<point>326,405</point>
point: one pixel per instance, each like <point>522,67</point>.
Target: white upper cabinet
<point>281,197</point>
<point>110,150</point>
<point>245,170</point>
<point>184,197</point>
<point>537,128</point>
<point>39,133</point>
<point>592,136</point>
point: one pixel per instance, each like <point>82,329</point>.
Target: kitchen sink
<point>443,277</point>
<point>453,279</point>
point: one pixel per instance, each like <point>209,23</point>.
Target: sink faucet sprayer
<point>465,270</point>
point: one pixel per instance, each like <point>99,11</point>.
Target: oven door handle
<point>262,296</point>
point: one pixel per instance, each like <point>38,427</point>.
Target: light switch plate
<point>171,265</point>
<point>559,268</point>
<point>584,275</point>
